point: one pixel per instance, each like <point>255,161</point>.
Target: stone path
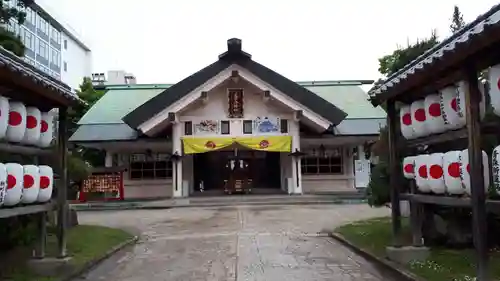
<point>243,243</point>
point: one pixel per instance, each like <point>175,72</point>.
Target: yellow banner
<point>194,145</point>
<point>267,143</point>
<point>201,145</point>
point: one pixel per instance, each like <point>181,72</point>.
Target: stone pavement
<point>242,243</point>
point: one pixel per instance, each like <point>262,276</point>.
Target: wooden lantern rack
<point>22,82</point>
<point>472,49</point>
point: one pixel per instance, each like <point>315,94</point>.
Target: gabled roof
<point>468,38</point>
<point>234,55</point>
<point>103,122</point>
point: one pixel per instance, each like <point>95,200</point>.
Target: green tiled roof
<point>119,101</point>
<point>347,96</point>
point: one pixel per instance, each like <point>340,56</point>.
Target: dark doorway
<point>210,168</point>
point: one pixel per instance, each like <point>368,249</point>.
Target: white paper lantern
<point>435,122</point>
<point>452,180</point>
<point>409,167</point>
<point>465,169</point>
<point>463,87</point>
<point>449,107</point>
<point>419,118</point>
<point>31,184</point>
<point>46,129</point>
<point>33,124</point>
<point>17,122</point>
<point>3,183</point>
<point>46,183</point>
<point>421,173</point>
<point>495,167</point>
<point>15,175</point>
<point>435,177</point>
<point>4,116</point>
<point>405,119</point>
<point>494,85</point>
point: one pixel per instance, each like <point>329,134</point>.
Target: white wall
<point>78,61</point>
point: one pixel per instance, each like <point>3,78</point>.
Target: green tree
<point>10,11</point>
<point>457,20</point>
<point>88,94</point>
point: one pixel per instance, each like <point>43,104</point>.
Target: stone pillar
<point>108,162</point>
<point>361,152</point>
<point>177,165</point>
<point>296,161</point>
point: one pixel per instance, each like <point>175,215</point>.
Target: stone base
<point>407,254</point>
<point>51,266</point>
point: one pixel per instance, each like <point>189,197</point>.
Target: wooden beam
<point>62,189</point>
<point>204,97</point>
<point>267,96</point>
<point>24,150</point>
<point>25,210</point>
<point>478,194</point>
<point>394,170</point>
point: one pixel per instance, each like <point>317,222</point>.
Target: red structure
<point>104,184</point>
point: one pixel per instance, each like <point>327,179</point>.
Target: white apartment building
<point>113,77</point>
<point>52,46</point>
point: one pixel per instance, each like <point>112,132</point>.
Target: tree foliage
<point>457,20</point>
<point>11,10</point>
<point>390,64</point>
<point>88,94</point>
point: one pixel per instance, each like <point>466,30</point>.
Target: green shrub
<point>378,193</point>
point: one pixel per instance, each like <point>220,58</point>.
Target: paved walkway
<point>243,243</point>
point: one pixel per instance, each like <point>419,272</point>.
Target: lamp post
<point>175,157</point>
<point>296,155</point>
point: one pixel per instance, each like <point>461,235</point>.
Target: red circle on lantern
<point>422,171</point>
<point>468,168</point>
<point>420,115</point>
<point>264,144</point>
<point>210,144</point>
<point>44,126</point>
<point>454,169</point>
<point>406,119</point>
<point>498,83</point>
<point>453,104</point>
<point>11,181</point>
<point>435,110</point>
<point>15,118</point>
<point>44,182</point>
<point>28,181</point>
<point>31,122</point>
<point>436,171</point>
<point>408,168</point>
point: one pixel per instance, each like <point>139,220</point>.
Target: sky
<point>164,41</point>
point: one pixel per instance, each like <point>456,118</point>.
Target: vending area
<point>30,156</point>
<point>443,123</point>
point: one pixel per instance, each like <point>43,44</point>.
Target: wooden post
<point>478,196</point>
<point>394,171</point>
<point>42,235</point>
<point>415,218</point>
<point>62,189</point>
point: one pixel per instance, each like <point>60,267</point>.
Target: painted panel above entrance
<point>193,145</point>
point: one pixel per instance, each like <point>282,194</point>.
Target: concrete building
<point>52,46</point>
<point>179,140</point>
<point>113,77</point>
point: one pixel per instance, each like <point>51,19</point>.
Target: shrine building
<point>185,139</point>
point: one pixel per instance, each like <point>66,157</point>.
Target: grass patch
<point>443,264</point>
<point>85,243</point>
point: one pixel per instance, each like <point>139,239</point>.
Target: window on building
<point>224,127</point>
<point>43,49</point>
<point>329,162</point>
<point>188,128</point>
<point>43,26</point>
<point>55,59</point>
<point>65,66</point>
<point>150,167</point>
<point>247,126</point>
<point>65,44</point>
<point>284,126</point>
<point>28,39</point>
<point>55,36</point>
<point>30,16</point>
